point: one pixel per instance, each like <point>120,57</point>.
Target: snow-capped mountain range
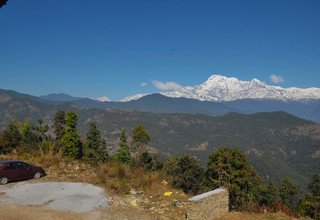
<point>102,99</point>
<point>134,97</point>
<point>220,88</point>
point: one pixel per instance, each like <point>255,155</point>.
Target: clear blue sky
<point>103,47</point>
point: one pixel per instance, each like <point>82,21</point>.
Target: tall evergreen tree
<point>123,138</point>
<point>70,140</point>
<point>59,124</point>
<point>123,154</point>
<point>95,146</point>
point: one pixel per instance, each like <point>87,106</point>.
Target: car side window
<point>20,166</point>
<point>25,166</point>
<point>10,166</point>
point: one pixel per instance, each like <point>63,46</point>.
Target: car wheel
<point>3,180</point>
<point>37,175</point>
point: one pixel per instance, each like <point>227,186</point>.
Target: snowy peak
<point>134,97</point>
<point>103,99</point>
<point>221,88</point>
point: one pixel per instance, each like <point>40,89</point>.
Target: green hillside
<point>277,144</point>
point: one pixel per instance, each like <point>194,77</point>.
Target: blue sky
<point>101,47</point>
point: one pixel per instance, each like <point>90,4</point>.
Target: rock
<point>164,182</point>
<point>178,203</point>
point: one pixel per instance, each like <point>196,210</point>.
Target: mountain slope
<point>59,97</point>
<point>277,143</point>
<point>158,103</point>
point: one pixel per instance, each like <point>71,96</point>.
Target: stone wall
<point>209,205</point>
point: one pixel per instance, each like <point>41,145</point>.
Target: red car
<point>12,170</point>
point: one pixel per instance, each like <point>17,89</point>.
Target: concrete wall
<point>209,205</point>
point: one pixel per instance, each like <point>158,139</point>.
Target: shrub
<point>185,173</point>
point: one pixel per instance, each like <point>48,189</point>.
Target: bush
<point>123,155</point>
<point>185,173</point>
<point>148,161</point>
<point>228,167</point>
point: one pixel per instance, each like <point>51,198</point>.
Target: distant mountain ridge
<point>220,88</point>
<point>308,109</point>
<point>277,143</point>
<point>59,97</point>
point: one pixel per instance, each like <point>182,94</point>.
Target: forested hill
<point>277,144</point>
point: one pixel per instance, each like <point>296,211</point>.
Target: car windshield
<point>2,163</point>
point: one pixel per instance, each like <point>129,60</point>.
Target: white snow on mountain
<point>103,99</point>
<point>221,88</point>
<point>134,97</point>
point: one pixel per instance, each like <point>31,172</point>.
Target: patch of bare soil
<point>14,212</point>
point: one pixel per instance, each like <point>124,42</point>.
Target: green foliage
<point>148,161</point>
<point>267,194</point>
<point>40,131</point>
<point>94,146</point>
<point>288,192</point>
<point>59,126</point>
<point>24,137</point>
<point>310,204</point>
<point>314,186</point>
<point>123,138</point>
<point>10,138</point>
<point>185,173</point>
<point>70,141</point>
<point>140,138</point>
<point>123,154</point>
<point>228,167</point>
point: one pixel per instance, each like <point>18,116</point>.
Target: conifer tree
<point>95,146</point>
<point>70,140</point>
<point>123,154</point>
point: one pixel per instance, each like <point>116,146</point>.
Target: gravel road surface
<point>61,196</point>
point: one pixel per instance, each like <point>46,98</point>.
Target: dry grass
<point>118,179</point>
<point>121,178</point>
<point>252,216</point>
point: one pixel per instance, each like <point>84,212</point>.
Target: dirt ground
<point>17,212</point>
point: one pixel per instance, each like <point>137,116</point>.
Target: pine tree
<point>59,128</point>
<point>123,154</point>
<point>59,124</point>
<point>70,140</point>
<point>95,146</point>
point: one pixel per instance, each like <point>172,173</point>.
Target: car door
<point>11,172</point>
<point>22,171</point>
<point>28,171</point>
